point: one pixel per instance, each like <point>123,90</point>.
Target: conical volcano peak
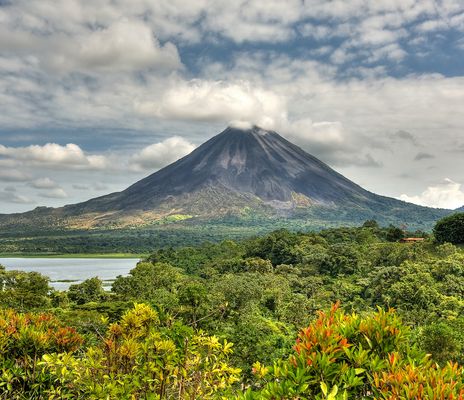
<point>247,161</point>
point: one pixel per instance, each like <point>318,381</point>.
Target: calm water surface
<point>72,269</point>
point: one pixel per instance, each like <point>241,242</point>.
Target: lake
<point>72,270</point>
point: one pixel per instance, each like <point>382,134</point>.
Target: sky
<point>95,95</point>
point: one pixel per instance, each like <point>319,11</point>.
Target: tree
<point>276,247</point>
<point>394,233</point>
<point>23,290</point>
<point>371,223</point>
<point>450,229</point>
<point>91,290</point>
<point>147,281</point>
<point>442,341</point>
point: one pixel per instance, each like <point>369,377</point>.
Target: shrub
<point>343,356</point>
<point>140,358</point>
<point>24,339</point>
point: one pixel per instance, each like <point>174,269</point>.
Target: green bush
<point>343,356</point>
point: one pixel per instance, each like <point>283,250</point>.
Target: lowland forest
<point>345,313</point>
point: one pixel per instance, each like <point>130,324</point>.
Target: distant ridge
<point>237,172</point>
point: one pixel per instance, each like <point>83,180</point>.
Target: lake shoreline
<point>65,271</point>
<point>76,255</point>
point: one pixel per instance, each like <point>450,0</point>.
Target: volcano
<point>237,171</point>
<point>254,163</point>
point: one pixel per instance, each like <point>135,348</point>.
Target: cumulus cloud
<point>117,45</point>
<point>319,134</point>
<point>202,100</point>
<point>125,45</point>
<point>57,193</point>
<point>44,183</point>
<point>52,154</point>
<point>161,154</point>
<point>447,194</point>
<point>79,186</point>
<point>12,175</point>
<point>10,196</point>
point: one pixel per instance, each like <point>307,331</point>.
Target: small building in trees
<point>411,240</point>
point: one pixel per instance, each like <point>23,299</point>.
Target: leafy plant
<point>140,358</point>
<point>342,356</point>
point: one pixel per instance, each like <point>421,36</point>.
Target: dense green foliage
<point>450,229</point>
<point>24,339</point>
<point>342,356</point>
<point>257,294</point>
<point>171,232</point>
<point>23,290</point>
<point>140,356</point>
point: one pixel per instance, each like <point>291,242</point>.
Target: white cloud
<point>57,193</point>
<point>202,100</point>
<point>447,194</point>
<point>111,44</point>
<point>329,140</point>
<point>161,154</point>
<point>307,132</point>
<point>13,175</point>
<point>391,51</point>
<point>240,124</point>
<point>80,186</point>
<point>248,21</point>
<point>431,25</point>
<point>125,45</point>
<point>10,196</point>
<point>52,154</point>
<point>43,183</point>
